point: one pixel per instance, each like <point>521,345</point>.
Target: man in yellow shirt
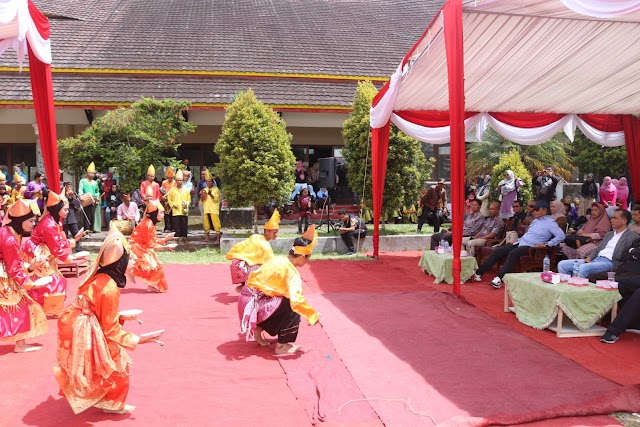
<point>179,199</point>
<point>210,199</point>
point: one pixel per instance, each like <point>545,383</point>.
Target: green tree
<point>256,161</point>
<point>590,157</point>
<point>481,156</point>
<point>407,167</point>
<point>129,140</point>
<point>511,161</point>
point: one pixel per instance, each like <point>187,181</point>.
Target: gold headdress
<point>207,175</point>
<point>170,172</point>
<point>312,235</point>
<point>20,208</point>
<point>151,170</point>
<point>3,176</point>
<point>91,168</point>
<point>274,221</point>
<point>17,178</point>
<point>55,198</point>
<point>112,249</point>
<point>179,175</point>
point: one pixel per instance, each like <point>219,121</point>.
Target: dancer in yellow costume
<point>179,200</point>
<point>272,299</point>
<point>250,254</point>
<point>210,199</point>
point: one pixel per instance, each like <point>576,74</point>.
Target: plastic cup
<point>611,276</point>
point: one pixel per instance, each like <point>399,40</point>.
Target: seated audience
<point>472,225</point>
<point>579,244</point>
<point>557,214</point>
<point>570,213</point>
<point>492,228</point>
<point>610,251</point>
<point>519,215</point>
<point>543,232</point>
<point>635,224</point>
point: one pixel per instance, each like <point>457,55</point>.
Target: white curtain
<point>381,113</point>
<point>607,139</point>
<point>605,9</point>
<point>27,31</point>
<point>533,136</point>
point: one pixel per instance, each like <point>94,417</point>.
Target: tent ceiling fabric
<point>527,59</point>
<point>17,26</point>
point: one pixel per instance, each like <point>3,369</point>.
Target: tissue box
<point>464,253</point>
<point>578,281</point>
<point>605,284</point>
<point>439,250</point>
<point>564,277</point>
<point>549,277</point>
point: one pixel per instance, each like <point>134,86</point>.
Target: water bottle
<point>546,263</point>
<point>441,244</point>
<point>447,249</point>
<point>576,269</point>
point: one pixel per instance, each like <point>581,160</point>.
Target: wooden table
<point>539,304</point>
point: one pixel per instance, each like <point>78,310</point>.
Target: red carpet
<point>382,337</point>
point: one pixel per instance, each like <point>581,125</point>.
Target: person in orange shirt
<point>272,299</point>
<point>154,194</point>
<point>144,242</point>
<point>92,362</point>
<point>166,186</point>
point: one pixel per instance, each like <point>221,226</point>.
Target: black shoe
<point>350,253</point>
<point>609,338</point>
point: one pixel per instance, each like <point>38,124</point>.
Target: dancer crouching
<point>20,316</point>
<point>272,299</point>
<point>93,365</point>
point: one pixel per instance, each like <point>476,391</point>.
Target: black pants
<point>304,218</point>
<point>180,223</point>
<point>284,323</point>
<point>168,224</point>
<point>90,212</point>
<point>430,217</point>
<point>435,239</point>
<point>348,238</point>
<point>511,252</point>
<point>629,314</point>
<point>70,231</point>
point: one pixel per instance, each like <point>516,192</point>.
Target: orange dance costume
<point>146,264</point>
<point>93,365</point>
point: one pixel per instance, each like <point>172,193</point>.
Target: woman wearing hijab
<point>144,242</point>
<point>557,214</point>
<point>508,188</point>
<point>622,197</point>
<point>93,365</point>
<point>272,299</point>
<point>588,194</point>
<point>49,239</point>
<point>483,196</point>
<point>20,316</point>
<point>580,244</point>
<point>608,194</point>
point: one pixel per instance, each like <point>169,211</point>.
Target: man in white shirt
<point>608,256</point>
<point>127,210</point>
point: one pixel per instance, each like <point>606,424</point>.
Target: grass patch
<point>214,256</point>
<point>389,230</point>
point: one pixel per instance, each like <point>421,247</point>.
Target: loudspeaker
<point>327,176</point>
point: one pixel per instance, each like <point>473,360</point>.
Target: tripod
<point>331,224</point>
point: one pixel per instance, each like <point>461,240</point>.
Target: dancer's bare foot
<point>153,290</point>
<point>126,410</point>
<point>239,288</point>
<point>23,347</point>
<point>287,349</point>
<point>260,339</point>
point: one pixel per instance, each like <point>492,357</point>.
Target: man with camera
<point>350,228</point>
<point>545,183</point>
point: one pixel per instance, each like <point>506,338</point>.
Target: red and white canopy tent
<point>527,68</point>
<point>25,29</point>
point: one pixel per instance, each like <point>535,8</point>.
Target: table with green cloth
<point>537,303</point>
<point>441,266</point>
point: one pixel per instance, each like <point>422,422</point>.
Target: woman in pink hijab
<point>623,192</point>
<point>608,192</point>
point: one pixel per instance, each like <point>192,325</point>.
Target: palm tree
<point>483,156</point>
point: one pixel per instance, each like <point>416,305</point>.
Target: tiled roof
<point>335,37</point>
<point>79,89</point>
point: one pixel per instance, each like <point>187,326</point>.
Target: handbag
<point>509,238</point>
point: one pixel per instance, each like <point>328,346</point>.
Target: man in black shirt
<point>351,227</point>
